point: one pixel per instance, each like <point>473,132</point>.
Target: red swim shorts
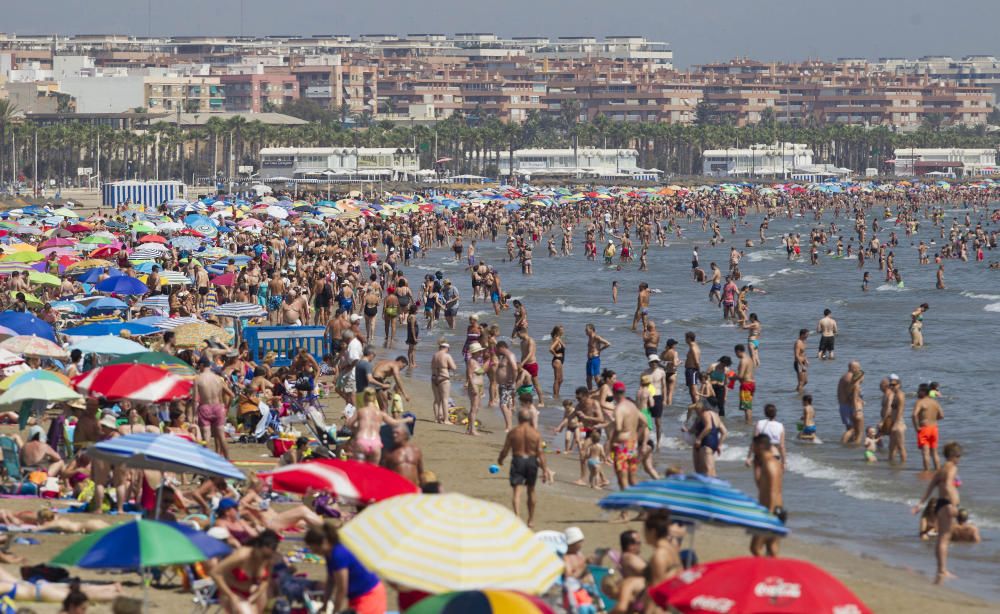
<point>211,414</point>
<point>927,436</point>
<point>532,369</point>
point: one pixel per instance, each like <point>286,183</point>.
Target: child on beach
<point>807,427</point>
<point>872,438</point>
<point>596,456</point>
<point>574,435</point>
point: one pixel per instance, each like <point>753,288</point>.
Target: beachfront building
<point>956,162</point>
<point>760,160</point>
<point>577,163</point>
<point>322,164</point>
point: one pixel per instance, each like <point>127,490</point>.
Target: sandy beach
<point>462,465</point>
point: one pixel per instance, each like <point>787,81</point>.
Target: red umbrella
<point>191,232</point>
<point>349,480</point>
<point>137,382</point>
<point>78,228</point>
<point>226,279</point>
<point>153,239</point>
<point>57,242</point>
<point>104,251</point>
<point>752,585</point>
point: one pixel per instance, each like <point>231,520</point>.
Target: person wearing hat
<point>658,382</point>
<point>893,422</point>
<point>474,371</point>
<point>442,366</point>
<point>575,596</point>
<point>227,517</point>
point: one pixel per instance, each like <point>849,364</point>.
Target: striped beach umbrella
<point>697,498</point>
<point>480,602</point>
<point>163,452</point>
<point>30,345</point>
<point>172,323</point>
<point>174,278</point>
<point>450,542</point>
<point>38,390</point>
<point>156,359</point>
<point>108,345</point>
<point>348,480</point>
<point>141,383</point>
<point>139,544</point>
<point>239,310</point>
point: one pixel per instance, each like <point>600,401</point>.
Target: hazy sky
<point>699,30</point>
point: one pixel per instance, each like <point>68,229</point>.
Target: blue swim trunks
<point>594,366</point>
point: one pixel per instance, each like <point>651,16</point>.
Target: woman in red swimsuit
<point>244,577</point>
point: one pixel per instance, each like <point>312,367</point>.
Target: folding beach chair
<point>13,474</point>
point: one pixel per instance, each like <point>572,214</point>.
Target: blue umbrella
<point>142,543</point>
<point>185,242</point>
<point>150,320</point>
<point>202,224</point>
<point>697,498</point>
<point>27,324</point>
<point>122,284</point>
<point>91,276</point>
<point>160,452</point>
<point>105,304</point>
<point>109,345</point>
<point>110,328</point>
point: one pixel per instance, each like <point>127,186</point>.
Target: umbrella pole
<point>159,496</point>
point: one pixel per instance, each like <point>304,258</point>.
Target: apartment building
<point>259,91</point>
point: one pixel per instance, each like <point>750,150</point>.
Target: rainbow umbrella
<point>481,602</point>
<point>28,376</point>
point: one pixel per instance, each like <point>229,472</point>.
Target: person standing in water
<point>595,345</point>
<point>926,413</point>
<point>917,325</point>
<point>801,360</point>
<point>827,329</point>
<point>946,482</point>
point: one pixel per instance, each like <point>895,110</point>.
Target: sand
<point>462,465</point>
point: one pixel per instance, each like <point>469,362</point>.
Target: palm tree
<point>7,112</point>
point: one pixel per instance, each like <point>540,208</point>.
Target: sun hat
<point>109,421</point>
<point>573,535</point>
<point>475,347</point>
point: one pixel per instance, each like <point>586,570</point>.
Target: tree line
<point>472,141</point>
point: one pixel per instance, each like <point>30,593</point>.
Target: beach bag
<point>34,573</point>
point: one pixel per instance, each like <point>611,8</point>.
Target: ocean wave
<point>762,255</point>
<point>667,321</point>
<point>575,309</point>
<point>851,482</point>
<point>621,316</point>
<point>890,288</point>
<point>985,297</point>
<point>751,279</point>
<point>995,307</point>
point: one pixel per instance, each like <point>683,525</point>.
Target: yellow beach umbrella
<point>450,542</point>
<point>86,265</point>
<point>19,247</point>
<point>194,334</point>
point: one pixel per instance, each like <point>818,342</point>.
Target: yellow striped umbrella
<point>194,334</point>
<point>450,542</point>
<point>86,265</point>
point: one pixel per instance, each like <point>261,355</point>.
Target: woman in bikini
<point>558,350</point>
<point>244,577</point>
<point>474,371</point>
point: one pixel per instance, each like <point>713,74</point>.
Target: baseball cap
<point>619,387</point>
<point>355,318</point>
<point>893,377</point>
<point>226,504</point>
<point>573,535</point>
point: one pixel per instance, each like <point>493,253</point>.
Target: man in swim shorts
<point>212,397</point>
<point>926,413</point>
<point>629,429</point>
<point>595,345</point>
<point>745,373</point>
<point>524,444</point>
<point>692,366</point>
<point>852,406</point>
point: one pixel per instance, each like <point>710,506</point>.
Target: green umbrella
<point>39,390</point>
<point>156,359</point>
<point>143,227</point>
<point>133,545</point>
<point>43,279</point>
<point>97,240</point>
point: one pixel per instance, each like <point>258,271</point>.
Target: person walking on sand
<point>212,397</point>
<point>474,371</point>
<point>769,473</point>
<point>946,482</point>
<point>442,366</point>
<point>524,444</point>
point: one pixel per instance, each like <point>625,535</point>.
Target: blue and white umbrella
<point>172,323</point>
<point>186,242</point>
<point>162,452</point>
<point>697,498</point>
<point>239,310</point>
<point>108,345</point>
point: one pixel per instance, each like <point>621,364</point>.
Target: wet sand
<point>462,465</point>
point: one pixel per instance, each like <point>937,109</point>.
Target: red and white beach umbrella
<point>137,382</point>
<point>752,585</point>
<point>348,480</point>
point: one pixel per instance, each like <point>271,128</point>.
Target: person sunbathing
<point>46,521</point>
<point>257,509</point>
<point>53,592</point>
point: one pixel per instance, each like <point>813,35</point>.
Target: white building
<point>955,162</point>
<point>337,163</point>
<point>581,162</point>
<point>774,160</point>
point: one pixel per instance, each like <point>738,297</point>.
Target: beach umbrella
<point>153,239</point>
<point>86,265</point>
<point>239,310</point>
<point>30,345</point>
<point>104,251</point>
<point>697,498</point>
<point>122,284</point>
<point>172,323</point>
<point>104,304</point>
<point>57,242</point>
<point>8,268</point>
<point>97,329</point>
<point>201,224</point>
<point>92,276</point>
<point>174,278</point>
<point>38,390</point>
<point>757,585</point>
<point>140,383</point>
<point>450,542</point>
<point>29,376</point>
<point>225,280</point>
<point>194,334</point>
<point>43,279</point>
<point>154,359</point>
<point>97,239</point>
<point>32,300</point>
<point>349,480</point>
<point>151,251</point>
<point>480,602</point>
<point>164,452</point>
<point>141,543</point>
<point>108,345</point>
<point>27,324</point>
<point>24,257</point>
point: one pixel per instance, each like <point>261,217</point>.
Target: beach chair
<point>206,599</point>
<point>599,573</point>
<point>13,475</point>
